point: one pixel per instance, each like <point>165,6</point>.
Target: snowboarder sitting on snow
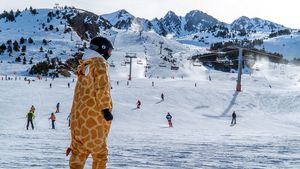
<point>30,116</point>
<point>52,118</point>
<point>92,106</point>
<point>57,107</point>
<point>138,104</point>
<point>233,121</point>
<point>169,118</point>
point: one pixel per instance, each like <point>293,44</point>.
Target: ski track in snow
<point>44,149</point>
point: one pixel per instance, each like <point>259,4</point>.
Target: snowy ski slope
<point>266,134</point>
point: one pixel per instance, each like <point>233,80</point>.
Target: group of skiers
<point>168,117</point>
<point>31,115</point>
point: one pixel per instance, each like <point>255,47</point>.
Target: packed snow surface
<point>266,134</point>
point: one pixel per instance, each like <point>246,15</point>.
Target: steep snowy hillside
<point>256,24</point>
<point>56,37</point>
<point>288,45</point>
<point>120,19</point>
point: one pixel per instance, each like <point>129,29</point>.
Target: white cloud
<point>283,12</point>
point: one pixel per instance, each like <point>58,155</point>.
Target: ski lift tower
<point>240,68</point>
<point>56,6</point>
<point>161,43</point>
<point>130,56</point>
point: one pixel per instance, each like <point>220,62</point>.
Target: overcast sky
<point>284,12</point>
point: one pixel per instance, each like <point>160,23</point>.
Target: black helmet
<point>101,45</point>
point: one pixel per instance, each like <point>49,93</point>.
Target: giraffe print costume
<point>89,129</point>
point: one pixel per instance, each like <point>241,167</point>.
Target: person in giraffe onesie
<point>92,106</point>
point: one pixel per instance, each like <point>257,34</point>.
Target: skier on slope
<point>30,116</point>
<point>169,118</point>
<point>233,121</point>
<point>57,108</point>
<point>162,96</point>
<point>53,119</point>
<point>92,106</point>
<point>138,104</point>
<point>69,119</point>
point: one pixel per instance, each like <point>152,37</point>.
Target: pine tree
<point>51,27</point>
<point>18,59</point>
<point>33,11</point>
<point>9,42</point>
<point>16,46</point>
<point>17,13</point>
<point>41,49</point>
<point>9,49</point>
<point>30,61</point>
<point>22,40</point>
<point>30,40</point>
<point>2,48</point>
<point>24,60</point>
<point>45,42</point>
<point>23,48</point>
<point>10,16</point>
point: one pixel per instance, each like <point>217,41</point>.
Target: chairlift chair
<point>162,64</point>
<point>174,67</point>
<point>197,63</point>
<point>112,64</point>
<point>123,63</point>
<point>148,66</point>
<point>127,61</point>
<point>139,61</point>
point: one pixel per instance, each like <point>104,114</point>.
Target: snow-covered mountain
<point>197,20</point>
<point>256,24</point>
<point>194,21</point>
<point>58,34</point>
<point>120,19</point>
<point>171,23</point>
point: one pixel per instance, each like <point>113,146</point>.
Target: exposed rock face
<point>87,24</point>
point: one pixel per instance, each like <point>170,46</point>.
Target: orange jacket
<point>53,117</point>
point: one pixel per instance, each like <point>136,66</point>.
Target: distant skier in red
<point>169,118</point>
<point>138,104</point>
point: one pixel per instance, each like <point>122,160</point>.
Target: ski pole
<point>34,123</point>
<point>49,123</point>
<point>25,123</point>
